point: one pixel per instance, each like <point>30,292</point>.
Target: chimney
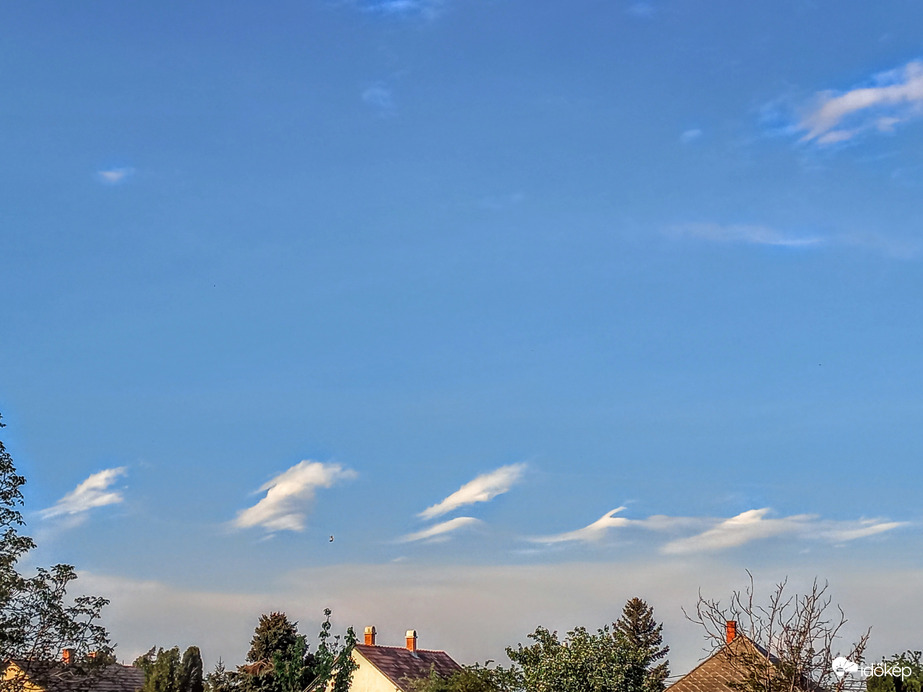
<point>67,656</point>
<point>412,640</point>
<point>370,635</point>
<point>730,630</point>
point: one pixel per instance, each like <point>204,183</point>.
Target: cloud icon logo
<point>842,665</point>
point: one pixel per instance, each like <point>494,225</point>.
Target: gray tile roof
<point>54,676</point>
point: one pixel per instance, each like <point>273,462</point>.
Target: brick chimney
<point>411,640</point>
<point>370,635</point>
<point>730,630</point>
<point>67,656</point>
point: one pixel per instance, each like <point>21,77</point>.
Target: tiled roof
<point>715,672</point>
<point>399,664</point>
<point>54,676</point>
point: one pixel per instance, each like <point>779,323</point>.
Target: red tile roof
<point>399,664</point>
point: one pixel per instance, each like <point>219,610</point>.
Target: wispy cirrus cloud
<point>441,531</point>
<point>889,99</point>
<point>715,535</point>
<point>380,97</point>
<point>289,496</point>
<point>752,234</point>
<point>400,8</point>
<point>115,175</point>
<point>95,491</point>
<point>482,489</point>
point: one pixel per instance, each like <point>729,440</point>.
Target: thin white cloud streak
<point>114,176</point>
<point>441,531</point>
<point>736,531</point>
<point>743,233</point>
<point>94,492</point>
<point>427,9</point>
<point>690,135</point>
<point>895,97</point>
<point>595,532</point>
<point>482,489</point>
<point>289,495</point>
<point>756,524</point>
<point>725,534</point>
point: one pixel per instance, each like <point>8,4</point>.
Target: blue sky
<point>503,295</point>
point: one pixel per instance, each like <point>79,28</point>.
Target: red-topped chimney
<point>370,635</point>
<point>730,630</point>
<point>411,640</point>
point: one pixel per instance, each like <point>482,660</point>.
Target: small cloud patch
<point>114,176</point>
<point>379,97</point>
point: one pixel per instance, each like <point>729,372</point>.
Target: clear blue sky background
<point>663,256</point>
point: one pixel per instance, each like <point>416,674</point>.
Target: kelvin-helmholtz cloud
<point>890,99</point>
<point>693,535</point>
<point>482,489</point>
<point>95,491</point>
<point>289,496</point>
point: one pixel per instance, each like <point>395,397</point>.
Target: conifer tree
<point>643,638</point>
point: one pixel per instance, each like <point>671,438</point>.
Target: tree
<point>583,662</point>
<point>333,663</point>
<point>909,679</point>
<point>643,636</point>
<point>221,679</point>
<point>793,638</point>
<point>274,634</point>
<point>165,671</point>
<point>38,620</point>
<point>280,660</point>
<point>190,672</point>
<point>161,669</point>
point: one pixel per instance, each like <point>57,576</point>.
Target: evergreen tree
<point>274,634</point>
<point>161,669</point>
<point>221,679</point>
<point>190,674</point>
<point>643,637</point>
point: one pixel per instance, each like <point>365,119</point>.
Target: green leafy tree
<point>333,663</point>
<point>907,662</point>
<point>38,619</point>
<point>582,662</point>
<point>643,637</point>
